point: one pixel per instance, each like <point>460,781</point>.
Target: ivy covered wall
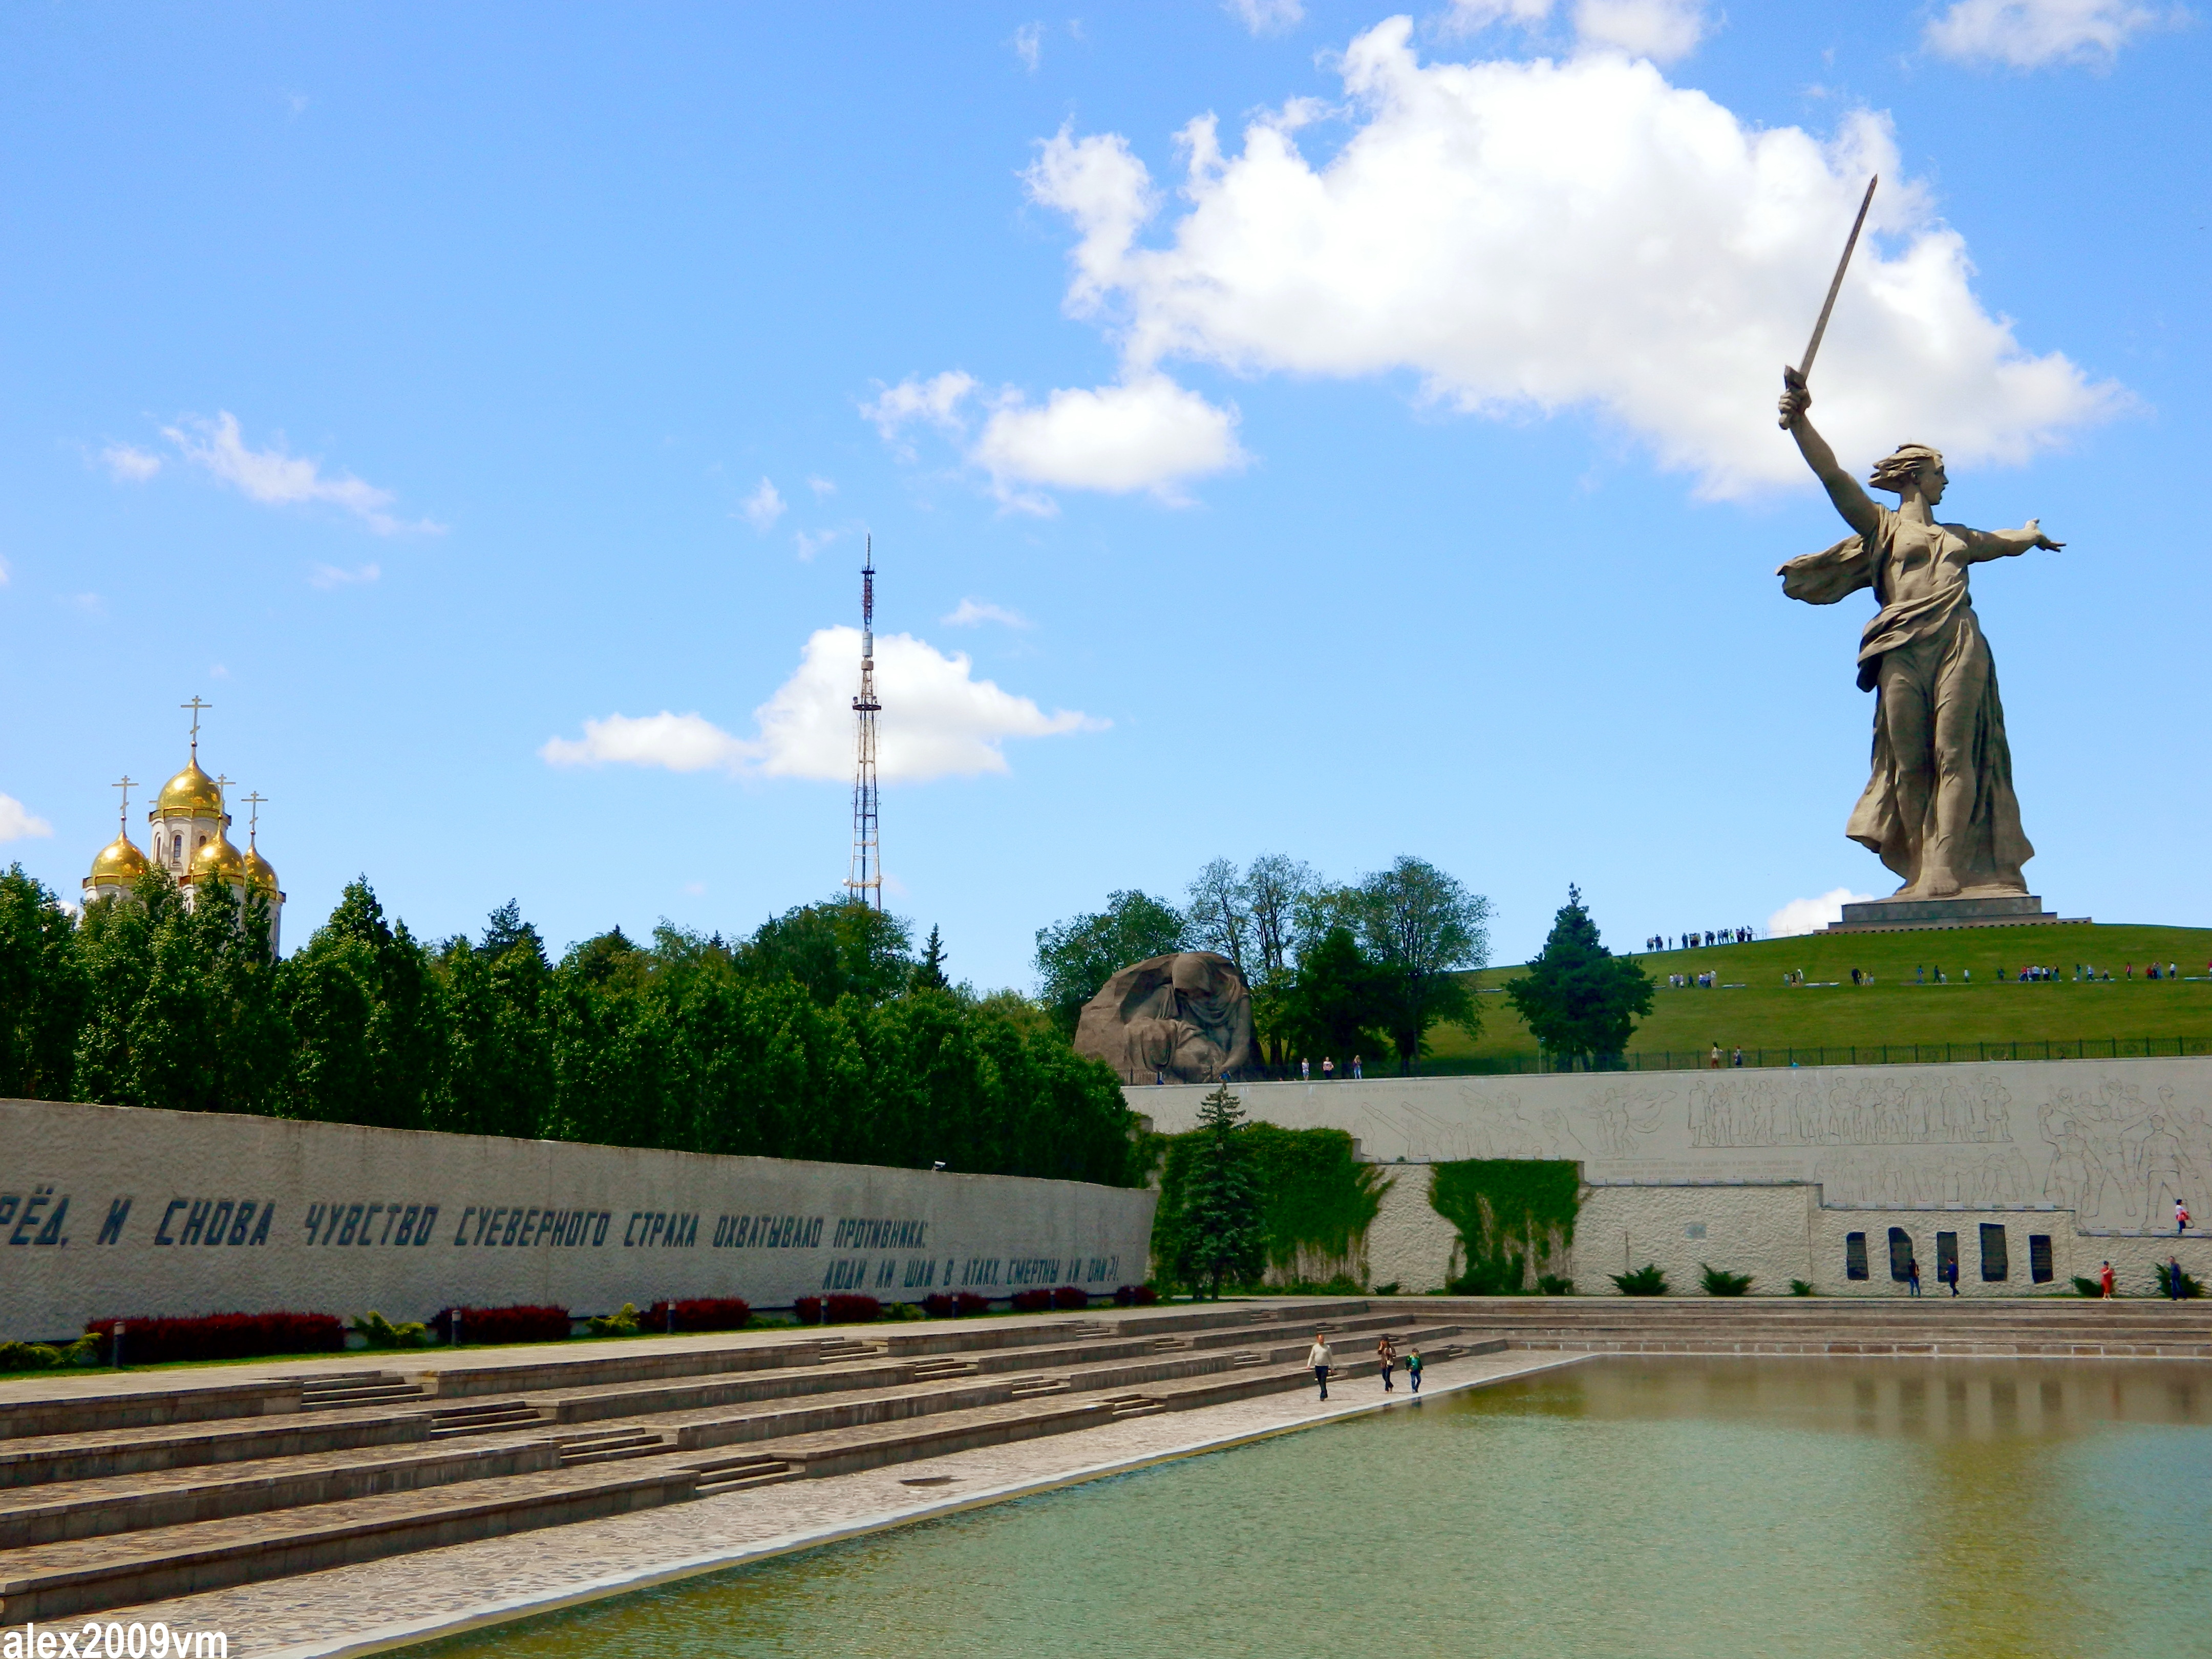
<point>1515,1219</point>
<point>1316,1200</point>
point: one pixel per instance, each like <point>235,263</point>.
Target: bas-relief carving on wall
<point>2117,1147</point>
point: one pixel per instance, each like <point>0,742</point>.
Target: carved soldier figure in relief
<point>1939,809</point>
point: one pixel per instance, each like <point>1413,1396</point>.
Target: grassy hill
<point>1831,1012</point>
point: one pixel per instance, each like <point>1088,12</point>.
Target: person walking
<point>1356,1072</point>
<point>1716,1061</point>
<point>2180,1218</point>
<point>1305,1069</point>
<point>1327,1068</point>
<point>1912,1273</point>
<point>2105,1282</point>
<point>1413,1369</point>
<point>1738,1060</point>
<point>1321,1359</point>
<point>2174,1277</point>
<point>1386,1356</point>
<point>1948,1273</point>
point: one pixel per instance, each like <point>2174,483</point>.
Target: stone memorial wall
<point>2088,1155</point>
<point>108,1211</point>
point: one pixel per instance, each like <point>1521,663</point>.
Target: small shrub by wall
<point>706,1313</point>
<point>220,1336</point>
<point>483,1327</point>
<point>1032,1301</point>
<point>845,1309</point>
<point>1071,1296</point>
<point>967,1302</point>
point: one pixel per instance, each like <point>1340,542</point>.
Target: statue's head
<point>1910,470</point>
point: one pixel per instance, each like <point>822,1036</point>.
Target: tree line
<point>1334,968</point>
<point>821,1036</point>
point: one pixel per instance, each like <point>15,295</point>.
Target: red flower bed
<point>852,1310</point>
<point>483,1327</point>
<point>968,1303</point>
<point>1032,1301</point>
<point>220,1336</point>
<point>1135,1296</point>
<point>938,1306</point>
<point>1071,1296</point>
<point>809,1309</point>
<point>706,1313</point>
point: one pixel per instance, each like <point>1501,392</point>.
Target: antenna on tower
<point>865,882</point>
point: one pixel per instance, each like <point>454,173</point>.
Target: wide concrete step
<point>133,1503</point>
<point>143,1405</point>
<point>611,1448</point>
<point>81,1455</point>
<point>53,1581</point>
<point>491,1417</point>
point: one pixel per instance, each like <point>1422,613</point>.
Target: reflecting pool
<point>1643,1508</point>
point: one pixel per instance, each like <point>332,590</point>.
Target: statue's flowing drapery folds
<point>1930,647</point>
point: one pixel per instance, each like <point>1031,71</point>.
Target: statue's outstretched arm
<point>1986,544</point>
<point>1856,507</point>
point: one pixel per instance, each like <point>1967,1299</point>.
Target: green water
<point>1644,1508</point>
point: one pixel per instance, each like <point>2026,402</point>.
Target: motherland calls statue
<point>1186,1017</point>
<point>1939,809</point>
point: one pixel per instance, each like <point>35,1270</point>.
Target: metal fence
<point>1863,1054</point>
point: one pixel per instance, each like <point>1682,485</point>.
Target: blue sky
<point>1389,467</point>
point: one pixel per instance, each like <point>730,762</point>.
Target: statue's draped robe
<point>1955,664</point>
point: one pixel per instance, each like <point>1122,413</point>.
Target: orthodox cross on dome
<point>123,783</point>
<point>256,800</point>
<point>196,706</point>
<point>223,783</point>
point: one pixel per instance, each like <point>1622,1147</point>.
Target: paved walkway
<point>348,1610</point>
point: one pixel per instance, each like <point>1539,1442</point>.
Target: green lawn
<point>1765,1015</point>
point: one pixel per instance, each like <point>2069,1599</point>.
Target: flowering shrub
<point>852,1310</point>
<point>706,1313</point>
<point>1071,1296</point>
<point>809,1309</point>
<point>968,1303</point>
<point>220,1336</point>
<point>524,1322</point>
<point>938,1306</point>
<point>1135,1296</point>
<point>1032,1301</point>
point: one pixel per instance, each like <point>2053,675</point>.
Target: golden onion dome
<point>219,858</point>
<point>118,861</point>
<point>259,870</point>
<point>192,793</point>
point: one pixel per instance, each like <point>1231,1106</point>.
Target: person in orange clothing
<point>2105,1278</point>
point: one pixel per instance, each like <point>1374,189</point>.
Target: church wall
<point>111,1212</point>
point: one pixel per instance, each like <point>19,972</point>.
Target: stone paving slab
<point>349,1610</point>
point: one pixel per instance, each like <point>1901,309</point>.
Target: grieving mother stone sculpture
<point>1186,1016</point>
<point>1939,808</point>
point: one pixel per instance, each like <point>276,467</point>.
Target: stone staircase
<point>150,1491</point>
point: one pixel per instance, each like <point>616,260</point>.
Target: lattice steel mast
<point>865,881</point>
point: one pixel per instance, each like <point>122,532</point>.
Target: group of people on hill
<point>2084,973</point>
<point>1692,940</point>
<point>1703,981</point>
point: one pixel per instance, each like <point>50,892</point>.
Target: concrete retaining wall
<point>1768,1171</point>
<point>110,1211</point>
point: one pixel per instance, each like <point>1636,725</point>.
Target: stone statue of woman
<point>1939,809</point>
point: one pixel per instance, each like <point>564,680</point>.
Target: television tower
<point>865,881</point>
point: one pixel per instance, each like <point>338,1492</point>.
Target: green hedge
<point>1505,1210</point>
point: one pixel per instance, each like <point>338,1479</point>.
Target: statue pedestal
<point>1900,916</point>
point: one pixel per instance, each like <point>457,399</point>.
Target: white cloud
<point>935,401</point>
<point>1265,16</point>
<point>128,465</point>
<point>810,541</point>
<point>1810,915</point>
<point>90,604</point>
<point>972,613</point>
<point>1145,433</point>
<point>938,721</point>
<point>329,576</point>
<point>1535,237</point>
<point>823,488</point>
<point>277,479</point>
<point>2029,33</point>
<point>3,573</point>
<point>218,672</point>
<point>17,822</point>
<point>680,743</point>
<point>1466,16</point>
<point>1661,30</point>
<point>763,507</point>
<point>1029,45</point>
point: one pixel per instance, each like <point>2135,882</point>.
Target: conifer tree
<point>1221,1235</point>
<point>1579,1000</point>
